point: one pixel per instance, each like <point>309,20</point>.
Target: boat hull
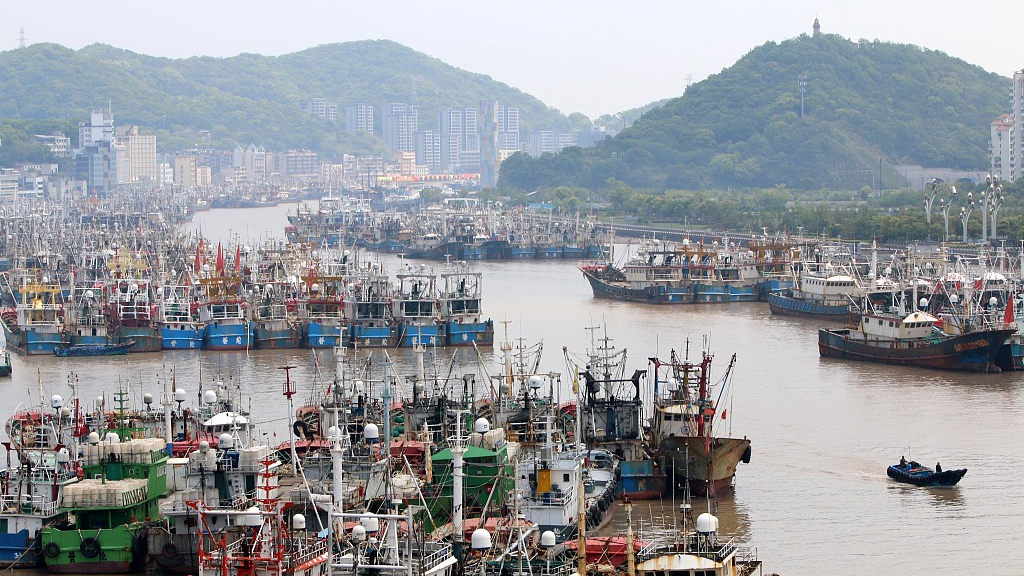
<point>114,554</point>
<point>228,336</point>
<point>40,342</point>
<point>414,334</point>
<point>640,480</point>
<point>270,335</point>
<point>469,333</point>
<point>181,338</point>
<point>708,467</point>
<point>685,292</point>
<point>782,305</point>
<point>146,338</point>
<point>369,336</point>
<point>322,335</point>
<point>922,476</point>
<point>971,352</point>
<point>18,550</point>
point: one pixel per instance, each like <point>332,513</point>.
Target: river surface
<point>813,500</point>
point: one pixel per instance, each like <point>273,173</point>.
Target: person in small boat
<point>938,467</point>
<point>903,462</point>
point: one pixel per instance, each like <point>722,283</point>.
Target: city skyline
<point>593,58</point>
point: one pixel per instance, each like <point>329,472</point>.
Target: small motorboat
<point>5,364</point>
<point>914,473</point>
<point>94,350</point>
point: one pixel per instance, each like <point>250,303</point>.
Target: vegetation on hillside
<point>864,104</point>
<point>248,98</point>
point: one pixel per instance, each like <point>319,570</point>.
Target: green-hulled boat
<point>108,510</point>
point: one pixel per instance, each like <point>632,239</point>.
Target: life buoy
<point>52,550</point>
<point>170,550</point>
<point>90,547</point>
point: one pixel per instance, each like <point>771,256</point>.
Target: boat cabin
<point>913,325</point>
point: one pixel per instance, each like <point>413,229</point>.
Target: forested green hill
<point>248,98</point>
<point>865,104</point>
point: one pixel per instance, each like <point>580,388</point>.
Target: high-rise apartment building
<point>508,128</point>
<point>1001,151</point>
<point>140,156</point>
<point>451,133</point>
<point>319,107</point>
<point>488,120</point>
<point>99,129</point>
<point>185,170</point>
<point>359,118</point>
<point>428,150</point>
<point>1017,133</point>
<point>399,126</point>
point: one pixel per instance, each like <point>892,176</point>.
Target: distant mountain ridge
<point>865,104</point>
<point>249,97</point>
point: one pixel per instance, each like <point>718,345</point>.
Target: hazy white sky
<point>593,57</point>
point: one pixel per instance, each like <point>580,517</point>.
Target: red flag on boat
<point>220,258</point>
<point>197,257</point>
<point>723,414</point>
<point>238,256</point>
<point>1008,315</point>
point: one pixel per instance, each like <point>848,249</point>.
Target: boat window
<point>565,477</point>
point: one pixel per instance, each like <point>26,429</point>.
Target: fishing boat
<point>368,308</point>
<point>108,510</point>
<point>265,539</point>
<point>701,551</point>
<point>275,324</point>
<point>321,302</point>
<point>224,313</point>
<point>611,414</point>
<point>32,488</point>
<point>825,286</point>
<point>85,318</point>
<point>94,349</point>
<point>911,472</point>
<point>5,364</point>
<point>664,273</point>
<point>415,308</point>
<point>133,315</point>
<point>685,434</point>
<point>36,324</point>
<point>461,293</point>
<point>178,317</point>
<point>224,479</point>
<point>914,338</point>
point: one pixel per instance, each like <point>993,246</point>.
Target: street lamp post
<point>984,203</point>
<point>944,208</point>
<point>930,199</point>
<point>995,199</point>
<point>965,213</point>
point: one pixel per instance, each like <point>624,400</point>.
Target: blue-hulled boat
<point>914,473</point>
<point>368,309</point>
<point>36,324</point>
<point>178,320</point>
<point>460,307</point>
<point>224,313</point>
<point>415,309</point>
